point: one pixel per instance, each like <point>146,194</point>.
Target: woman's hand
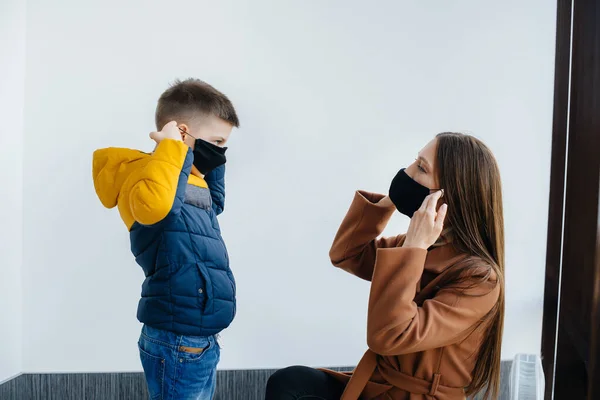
<point>426,224</point>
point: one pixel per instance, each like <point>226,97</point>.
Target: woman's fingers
<point>426,202</point>
<point>433,201</point>
<point>441,216</point>
<point>427,224</point>
<point>424,205</point>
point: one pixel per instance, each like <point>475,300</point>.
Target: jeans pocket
<point>195,350</point>
<point>154,371</point>
<point>197,370</point>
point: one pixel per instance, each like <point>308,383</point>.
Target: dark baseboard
<point>232,385</point>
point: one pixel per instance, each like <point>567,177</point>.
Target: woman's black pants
<point>295,383</point>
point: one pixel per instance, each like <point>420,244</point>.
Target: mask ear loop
<point>186,133</point>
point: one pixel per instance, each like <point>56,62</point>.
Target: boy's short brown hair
<point>190,98</point>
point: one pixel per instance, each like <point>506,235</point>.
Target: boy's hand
<point>169,131</point>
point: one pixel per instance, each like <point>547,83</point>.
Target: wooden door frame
<point>573,241</point>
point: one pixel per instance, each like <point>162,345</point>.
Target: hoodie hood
<point>111,168</point>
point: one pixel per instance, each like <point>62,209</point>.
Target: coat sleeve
<point>216,183</point>
<point>396,325</point>
<point>158,189</point>
<point>356,242</point>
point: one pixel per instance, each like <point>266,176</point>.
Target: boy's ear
<point>184,130</point>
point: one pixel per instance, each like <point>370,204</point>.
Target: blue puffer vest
<point>175,236</point>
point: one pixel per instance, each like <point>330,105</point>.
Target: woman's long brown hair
<point>469,174</point>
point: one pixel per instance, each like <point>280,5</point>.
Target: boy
<point>169,201</point>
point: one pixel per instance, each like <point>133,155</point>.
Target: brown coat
<point>423,339</point>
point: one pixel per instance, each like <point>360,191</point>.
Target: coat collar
<point>441,257</point>
<point>438,260</point>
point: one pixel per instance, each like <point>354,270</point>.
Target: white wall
<point>333,96</point>
<point>12,90</point>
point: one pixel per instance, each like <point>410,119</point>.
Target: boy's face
<point>210,129</point>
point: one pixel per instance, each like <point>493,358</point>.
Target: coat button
<point>200,291</point>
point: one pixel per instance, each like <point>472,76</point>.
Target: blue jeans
<point>179,367</point>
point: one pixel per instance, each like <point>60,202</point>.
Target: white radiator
<point>527,378</point>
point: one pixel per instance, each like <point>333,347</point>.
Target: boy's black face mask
<point>407,194</point>
<point>208,156</point>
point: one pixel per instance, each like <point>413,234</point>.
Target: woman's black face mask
<point>407,194</point>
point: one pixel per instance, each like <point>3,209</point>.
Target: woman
<point>436,306</point>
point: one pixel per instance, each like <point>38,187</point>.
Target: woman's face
<point>423,170</point>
